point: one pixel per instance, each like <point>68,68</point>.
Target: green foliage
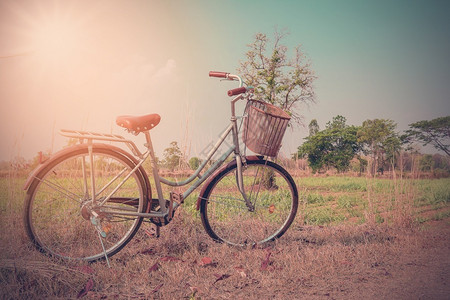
<point>335,146</point>
<point>435,132</point>
<point>421,219</point>
<point>278,79</point>
<point>441,215</point>
<point>347,202</point>
<point>313,127</point>
<point>318,198</point>
<point>172,156</point>
<point>336,199</point>
<point>441,162</point>
<point>323,216</point>
<point>194,163</point>
<point>338,122</point>
<point>377,143</point>
<point>441,195</point>
<point>268,180</point>
<point>378,138</point>
<point>335,184</point>
<point>426,163</point>
<point>433,192</point>
<point>374,133</point>
<point>379,219</point>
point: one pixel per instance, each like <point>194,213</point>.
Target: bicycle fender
<point>66,151</point>
<point>42,166</point>
<point>211,178</point>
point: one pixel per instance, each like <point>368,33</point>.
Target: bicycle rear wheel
<point>62,220</point>
<point>272,193</point>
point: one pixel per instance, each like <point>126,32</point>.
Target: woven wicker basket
<point>264,127</point>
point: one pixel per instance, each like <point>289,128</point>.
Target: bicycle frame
<point>165,212</point>
<point>96,190</point>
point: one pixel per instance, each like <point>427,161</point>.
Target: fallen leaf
<point>154,268</point>
<point>241,271</point>
<point>206,261</point>
<point>157,288</point>
<point>221,277</point>
<point>265,263</point>
<point>89,285</point>
<point>150,234</point>
<point>147,251</point>
<point>271,208</point>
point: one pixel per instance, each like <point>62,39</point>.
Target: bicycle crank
<point>157,220</point>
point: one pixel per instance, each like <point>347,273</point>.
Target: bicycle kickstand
<point>157,231</point>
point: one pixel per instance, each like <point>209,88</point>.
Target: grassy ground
<point>353,237</point>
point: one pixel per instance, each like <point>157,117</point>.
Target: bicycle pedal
<point>177,197</point>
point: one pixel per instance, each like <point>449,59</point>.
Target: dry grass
<point>336,261</point>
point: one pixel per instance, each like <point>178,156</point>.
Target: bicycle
<point>87,201</point>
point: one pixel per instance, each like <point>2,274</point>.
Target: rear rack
<point>89,136</point>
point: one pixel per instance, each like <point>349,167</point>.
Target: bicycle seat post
<point>155,171</point>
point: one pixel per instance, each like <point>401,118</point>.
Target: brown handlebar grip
<point>237,91</point>
<point>218,74</point>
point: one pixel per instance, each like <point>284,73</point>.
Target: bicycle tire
<point>56,215</point>
<point>225,215</point>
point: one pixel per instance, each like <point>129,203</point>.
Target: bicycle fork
<point>239,162</point>
<point>240,183</point>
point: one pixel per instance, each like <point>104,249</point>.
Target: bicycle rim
<point>60,218</point>
<point>272,193</point>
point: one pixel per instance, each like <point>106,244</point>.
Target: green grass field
<point>349,232</point>
<point>335,200</point>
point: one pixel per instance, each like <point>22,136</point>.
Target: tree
<point>172,156</point>
<point>435,132</point>
<point>335,146</point>
<point>194,163</point>
<point>426,163</point>
<point>338,122</point>
<point>278,79</point>
<point>379,140</point>
<point>313,127</point>
<point>441,162</point>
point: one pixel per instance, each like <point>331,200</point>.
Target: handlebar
<point>237,91</point>
<point>218,74</point>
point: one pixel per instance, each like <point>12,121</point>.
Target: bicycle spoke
<point>63,228</point>
<point>237,200</point>
<point>61,190</point>
<point>272,193</point>
<point>110,182</point>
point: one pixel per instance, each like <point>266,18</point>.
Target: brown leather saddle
<point>138,124</point>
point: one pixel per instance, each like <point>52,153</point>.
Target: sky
<point>78,64</point>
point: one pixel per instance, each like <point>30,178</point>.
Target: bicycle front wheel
<point>271,206</point>
<point>63,220</point>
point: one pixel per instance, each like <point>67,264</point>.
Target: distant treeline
<point>376,146</point>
